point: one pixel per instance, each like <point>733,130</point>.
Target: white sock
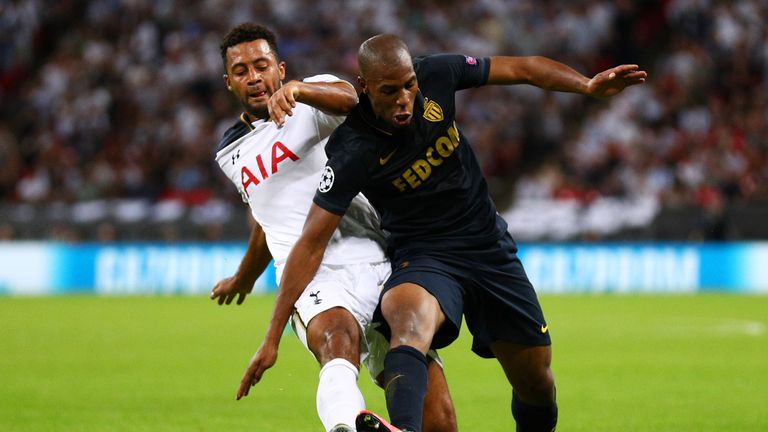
<point>339,400</point>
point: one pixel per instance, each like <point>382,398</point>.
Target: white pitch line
<point>749,328</point>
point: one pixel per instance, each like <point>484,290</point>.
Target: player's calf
<point>533,396</point>
<point>333,337</point>
<point>439,413</point>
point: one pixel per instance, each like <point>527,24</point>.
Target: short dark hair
<point>247,32</point>
<point>380,51</point>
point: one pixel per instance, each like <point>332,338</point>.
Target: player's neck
<point>252,117</point>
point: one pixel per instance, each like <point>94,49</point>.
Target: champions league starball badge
<point>326,183</point>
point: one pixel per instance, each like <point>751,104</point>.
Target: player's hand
<point>614,80</point>
<point>228,288</point>
<point>264,359</point>
<point>283,101</point>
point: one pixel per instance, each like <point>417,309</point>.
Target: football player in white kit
<point>276,163</point>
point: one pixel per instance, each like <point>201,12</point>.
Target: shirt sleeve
<point>462,70</point>
<point>342,179</point>
<point>326,123</point>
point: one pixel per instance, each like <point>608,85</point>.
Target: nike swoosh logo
<point>544,328</point>
<point>392,380</point>
<point>386,158</point>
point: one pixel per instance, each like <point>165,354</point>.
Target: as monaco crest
<point>432,111</point>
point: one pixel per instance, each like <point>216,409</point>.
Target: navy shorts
<point>487,285</point>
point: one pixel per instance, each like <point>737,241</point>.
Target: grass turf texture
<point>629,363</point>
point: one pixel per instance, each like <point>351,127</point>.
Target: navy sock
<point>531,418</point>
<point>405,385</point>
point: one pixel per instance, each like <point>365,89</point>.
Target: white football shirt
<point>277,171</point>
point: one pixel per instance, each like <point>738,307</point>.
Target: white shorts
<point>356,288</point>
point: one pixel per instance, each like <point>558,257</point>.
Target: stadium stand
<point>111,110</point>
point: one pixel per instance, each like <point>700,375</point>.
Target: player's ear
<point>281,68</point>
<point>226,81</point>
<point>362,83</point>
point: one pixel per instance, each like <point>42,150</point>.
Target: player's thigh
<point>421,296</point>
<point>528,369</point>
<point>335,307</point>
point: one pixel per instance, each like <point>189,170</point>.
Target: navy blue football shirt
<point>424,181</point>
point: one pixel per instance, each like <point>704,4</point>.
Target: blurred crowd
<point>121,102</point>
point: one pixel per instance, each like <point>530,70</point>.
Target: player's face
<point>392,93</point>
<point>253,75</point>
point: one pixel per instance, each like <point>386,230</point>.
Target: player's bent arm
<point>337,98</point>
<point>549,74</point>
<point>301,266</point>
<point>255,260</point>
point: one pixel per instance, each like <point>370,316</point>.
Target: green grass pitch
<point>622,363</point>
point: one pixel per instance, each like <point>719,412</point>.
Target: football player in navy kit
<point>451,252</point>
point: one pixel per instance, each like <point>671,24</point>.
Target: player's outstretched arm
<point>255,260</point>
<point>300,267</point>
<point>552,75</point>
<point>337,98</point>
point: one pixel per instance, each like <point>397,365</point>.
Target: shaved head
<point>381,52</point>
<point>388,79</point>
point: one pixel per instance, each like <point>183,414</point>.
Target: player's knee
<point>413,317</point>
<point>337,344</point>
<point>340,336</point>
<point>409,329</point>
<point>329,339</point>
<point>538,388</point>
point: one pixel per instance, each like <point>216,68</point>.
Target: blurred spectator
<point>123,100</point>
<point>7,232</point>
